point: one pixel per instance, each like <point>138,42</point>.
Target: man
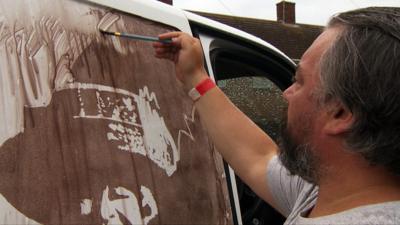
<point>339,159</point>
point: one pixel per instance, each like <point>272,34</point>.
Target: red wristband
<point>200,89</point>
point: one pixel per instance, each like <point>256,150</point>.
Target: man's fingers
<point>168,50</point>
<point>176,38</point>
<point>170,35</point>
<point>162,50</point>
<point>157,44</point>
<point>169,56</point>
<point>163,53</point>
<point>171,51</point>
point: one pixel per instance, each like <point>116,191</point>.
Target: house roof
<point>292,39</point>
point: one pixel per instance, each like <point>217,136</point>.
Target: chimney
<point>285,12</point>
<point>169,2</point>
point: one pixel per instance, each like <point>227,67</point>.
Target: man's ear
<point>339,119</point>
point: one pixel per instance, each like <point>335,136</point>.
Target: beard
<point>298,156</point>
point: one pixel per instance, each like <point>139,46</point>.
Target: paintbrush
<point>136,36</point>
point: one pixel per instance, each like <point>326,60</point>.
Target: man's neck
<point>355,186</point>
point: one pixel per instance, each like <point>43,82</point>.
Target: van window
<point>254,83</point>
<point>254,86</point>
<point>261,100</point>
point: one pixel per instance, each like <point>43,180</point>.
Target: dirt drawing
<point>127,207</point>
<point>95,130</point>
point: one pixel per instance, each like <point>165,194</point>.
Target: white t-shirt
<point>295,197</point>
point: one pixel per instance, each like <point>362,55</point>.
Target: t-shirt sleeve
<point>285,188</point>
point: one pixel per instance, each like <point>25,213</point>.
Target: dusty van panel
<point>95,130</point>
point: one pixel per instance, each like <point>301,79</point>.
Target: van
<point>96,130</point>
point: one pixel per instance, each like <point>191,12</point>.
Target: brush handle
<point>136,36</point>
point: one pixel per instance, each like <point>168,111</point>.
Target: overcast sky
<point>307,11</point>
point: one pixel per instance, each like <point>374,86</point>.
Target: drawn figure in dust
<point>51,155</point>
<point>127,207</point>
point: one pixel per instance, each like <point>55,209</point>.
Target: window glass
<point>253,79</point>
<point>259,98</point>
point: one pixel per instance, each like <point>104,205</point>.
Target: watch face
<point>95,129</point>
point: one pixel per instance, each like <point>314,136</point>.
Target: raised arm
<point>243,145</point>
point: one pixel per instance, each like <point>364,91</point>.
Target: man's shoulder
<point>291,193</point>
<point>387,213</point>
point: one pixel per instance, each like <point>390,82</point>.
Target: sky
<point>315,12</point>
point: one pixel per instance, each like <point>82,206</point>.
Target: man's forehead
<point>314,53</point>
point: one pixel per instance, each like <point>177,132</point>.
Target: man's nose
<point>288,92</point>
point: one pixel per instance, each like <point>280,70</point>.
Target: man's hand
<point>187,54</point>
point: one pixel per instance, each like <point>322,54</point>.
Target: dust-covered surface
<point>95,130</point>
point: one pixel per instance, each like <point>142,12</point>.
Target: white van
<point>96,130</point>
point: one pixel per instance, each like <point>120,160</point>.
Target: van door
<point>95,129</point>
<point>253,76</point>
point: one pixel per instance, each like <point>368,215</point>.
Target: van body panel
<point>152,10</point>
<point>96,130</point>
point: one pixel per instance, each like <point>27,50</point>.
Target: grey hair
<point>361,69</point>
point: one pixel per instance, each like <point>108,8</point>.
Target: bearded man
<point>339,158</point>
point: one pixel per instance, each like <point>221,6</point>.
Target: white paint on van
<point>135,123</point>
<point>158,141</point>
<point>127,205</point>
<point>86,206</point>
<point>148,200</point>
<point>10,215</point>
<point>32,69</point>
